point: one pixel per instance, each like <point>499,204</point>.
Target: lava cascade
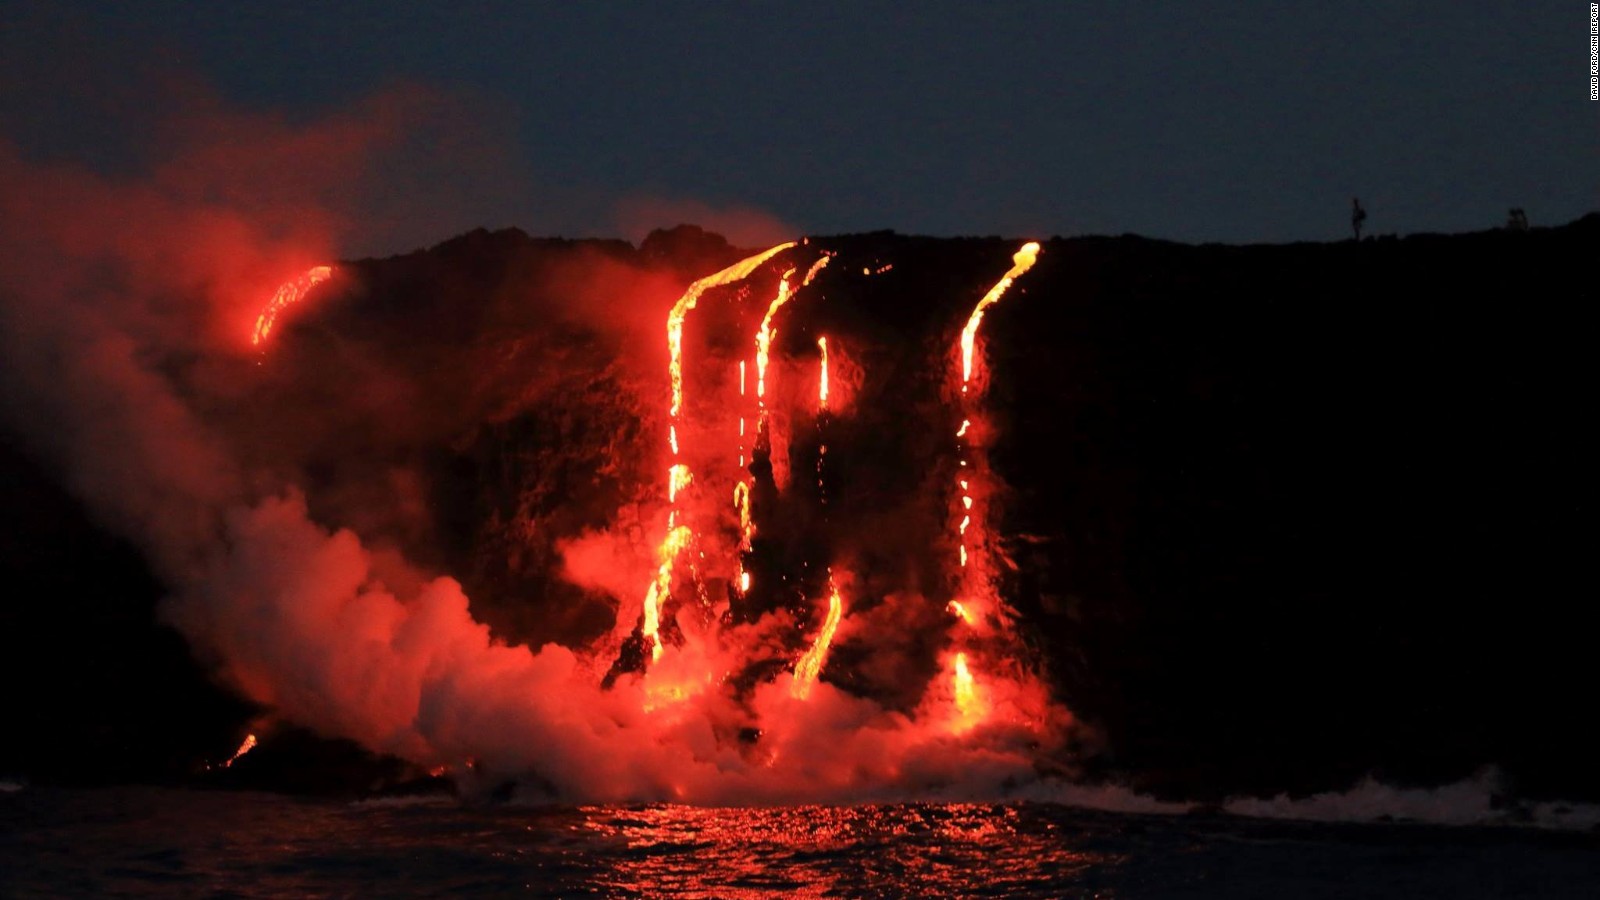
<point>977,603</point>
<point>679,536</point>
<point>976,607</point>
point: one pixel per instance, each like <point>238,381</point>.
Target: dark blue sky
<point>1249,121</point>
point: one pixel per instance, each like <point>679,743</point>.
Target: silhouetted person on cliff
<point>1357,216</point>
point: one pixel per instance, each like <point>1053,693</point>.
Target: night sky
<point>1244,122</point>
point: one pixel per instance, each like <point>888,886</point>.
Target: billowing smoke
<point>282,493</point>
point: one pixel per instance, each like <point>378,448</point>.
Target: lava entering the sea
<point>797,636</point>
<point>679,535</point>
<point>778,549</point>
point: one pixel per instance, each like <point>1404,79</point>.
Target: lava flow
<point>1021,262</point>
<point>763,341</point>
<point>822,381</point>
<point>289,293</point>
<point>248,744</point>
<point>679,476</point>
<point>974,578</point>
<point>810,665</point>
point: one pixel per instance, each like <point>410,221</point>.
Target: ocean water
<point>169,842</point>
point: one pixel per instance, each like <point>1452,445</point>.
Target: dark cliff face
<point>1280,515</point>
<point>1310,509</point>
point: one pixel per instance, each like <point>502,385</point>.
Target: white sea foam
<point>1475,801</point>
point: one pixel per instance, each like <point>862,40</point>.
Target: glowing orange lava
<point>965,690</point>
<point>815,268</point>
<point>765,335</point>
<point>810,665</point>
<point>822,384</point>
<point>680,310</point>
<point>246,746</point>
<point>741,504</point>
<point>677,539</point>
<point>678,478</point>
<point>973,586</point>
<point>1021,262</point>
<point>289,293</point>
<point>678,535</point>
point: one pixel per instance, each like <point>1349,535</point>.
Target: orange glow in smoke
<point>246,746</point>
<point>289,293</point>
<point>960,610</point>
<point>1021,262</point>
<point>810,665</point>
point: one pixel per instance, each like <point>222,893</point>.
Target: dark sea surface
<point>154,841</point>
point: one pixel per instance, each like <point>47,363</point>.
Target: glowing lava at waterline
<point>974,582</point>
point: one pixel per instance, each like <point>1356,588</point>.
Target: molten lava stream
<point>975,595</point>
<point>289,293</point>
<point>765,335</point>
<point>678,534</point>
<point>969,708</point>
<point>1021,262</point>
<point>810,665</point>
<point>245,746</point>
<point>822,379</point>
